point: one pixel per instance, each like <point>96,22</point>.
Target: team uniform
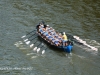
<point>51,35</point>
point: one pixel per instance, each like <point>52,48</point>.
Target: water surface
<point>76,17</point>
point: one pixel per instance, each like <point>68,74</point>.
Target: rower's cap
<point>42,25</point>
<point>59,33</point>
<point>47,25</point>
<point>64,33</point>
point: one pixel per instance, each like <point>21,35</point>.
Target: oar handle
<point>30,32</point>
<point>35,41</point>
<point>39,44</point>
<point>33,38</point>
<point>46,48</point>
<point>31,35</point>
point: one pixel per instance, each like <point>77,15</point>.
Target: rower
<point>49,37</point>
<point>64,38</point>
<point>56,42</point>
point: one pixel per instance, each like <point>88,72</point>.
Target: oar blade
<point>38,50</point>
<point>31,45</point>
<point>23,36</point>
<point>25,40</point>
<point>35,48</point>
<point>28,42</point>
<point>84,43</point>
<point>43,51</point>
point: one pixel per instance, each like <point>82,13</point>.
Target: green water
<point>76,17</point>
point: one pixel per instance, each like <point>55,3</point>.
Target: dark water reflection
<point>76,17</point>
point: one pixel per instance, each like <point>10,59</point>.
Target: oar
<point>29,37</point>
<point>44,50</point>
<point>37,47</point>
<point>28,42</point>
<point>77,40</point>
<point>28,34</point>
<point>84,43</point>
<point>42,22</point>
<point>33,44</point>
<point>40,48</point>
<point>74,39</point>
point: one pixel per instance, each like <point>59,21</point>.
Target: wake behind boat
<point>54,38</point>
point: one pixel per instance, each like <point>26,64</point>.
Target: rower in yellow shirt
<point>64,38</point>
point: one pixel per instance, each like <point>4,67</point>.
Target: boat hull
<point>67,49</point>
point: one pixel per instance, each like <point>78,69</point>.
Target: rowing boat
<point>65,48</point>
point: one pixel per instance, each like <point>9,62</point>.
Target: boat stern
<point>68,48</point>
